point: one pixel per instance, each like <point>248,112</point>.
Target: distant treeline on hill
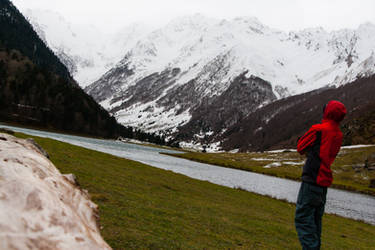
<point>33,95</point>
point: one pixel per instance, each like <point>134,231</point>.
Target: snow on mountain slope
<point>85,50</point>
<point>161,79</point>
<point>174,71</point>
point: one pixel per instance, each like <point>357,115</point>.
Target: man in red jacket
<point>321,144</point>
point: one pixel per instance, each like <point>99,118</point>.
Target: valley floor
<point>349,170</point>
<point>145,207</point>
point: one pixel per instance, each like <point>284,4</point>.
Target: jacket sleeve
<point>306,140</point>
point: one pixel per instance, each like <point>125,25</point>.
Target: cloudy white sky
<point>282,14</point>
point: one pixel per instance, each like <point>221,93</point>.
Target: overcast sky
<point>282,14</point>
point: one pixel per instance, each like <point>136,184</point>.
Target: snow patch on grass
<point>273,165</point>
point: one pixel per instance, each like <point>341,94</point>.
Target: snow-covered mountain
<point>196,63</point>
<point>208,72</point>
<point>87,51</point>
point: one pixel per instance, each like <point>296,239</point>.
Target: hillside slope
<point>35,96</point>
<point>279,124</point>
<point>17,33</point>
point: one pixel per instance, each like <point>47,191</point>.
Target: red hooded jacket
<point>322,143</point>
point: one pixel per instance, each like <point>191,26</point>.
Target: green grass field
<point>345,177</point>
<point>142,207</point>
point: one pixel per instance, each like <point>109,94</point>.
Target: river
<point>343,203</point>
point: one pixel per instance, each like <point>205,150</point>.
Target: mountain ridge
<point>209,54</point>
<point>169,76</point>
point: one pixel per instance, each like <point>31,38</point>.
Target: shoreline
<point>338,186</point>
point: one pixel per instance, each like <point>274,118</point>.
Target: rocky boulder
<point>40,208</point>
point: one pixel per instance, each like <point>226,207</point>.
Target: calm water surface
<point>343,203</point>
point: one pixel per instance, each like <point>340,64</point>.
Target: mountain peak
<point>368,26</point>
<point>248,20</point>
<point>316,30</point>
<point>195,21</point>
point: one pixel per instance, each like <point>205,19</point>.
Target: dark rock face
<point>202,89</point>
<point>147,89</point>
<point>185,95</point>
<point>283,92</point>
<point>110,83</point>
<point>346,52</point>
<point>242,97</point>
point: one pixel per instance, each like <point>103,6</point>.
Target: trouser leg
<point>318,222</point>
<point>319,214</point>
<point>309,209</point>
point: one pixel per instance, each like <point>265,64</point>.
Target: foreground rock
<point>40,208</point>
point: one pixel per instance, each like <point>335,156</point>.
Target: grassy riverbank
<point>142,207</point>
<point>289,164</point>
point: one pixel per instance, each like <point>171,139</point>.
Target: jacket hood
<point>334,111</point>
